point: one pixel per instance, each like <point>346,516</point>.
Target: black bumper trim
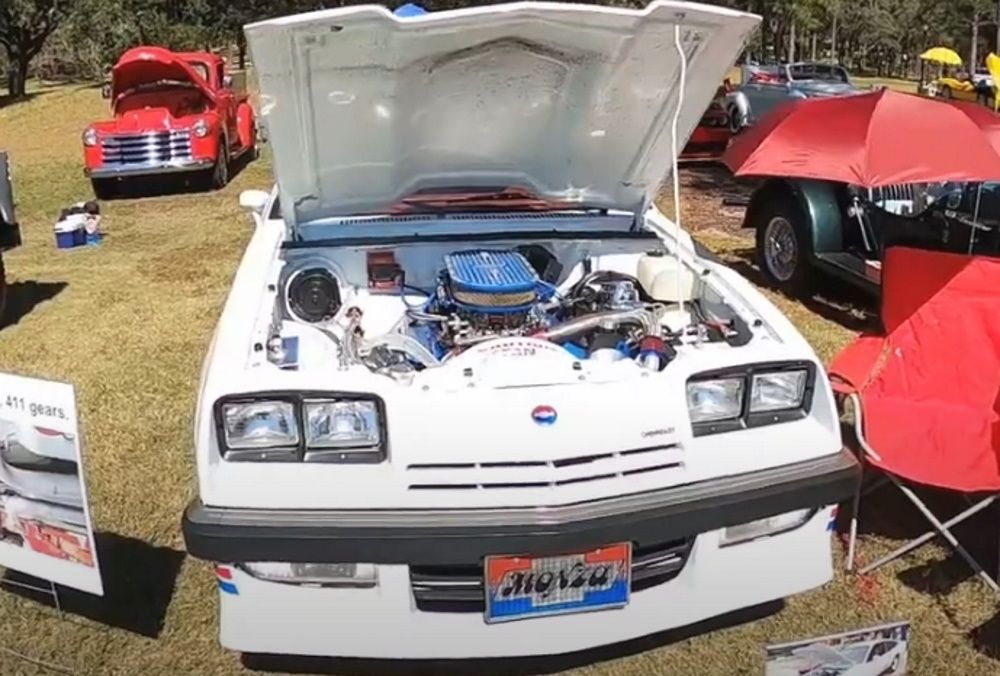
<point>466,536</point>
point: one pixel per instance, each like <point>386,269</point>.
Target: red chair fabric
<point>930,387</point>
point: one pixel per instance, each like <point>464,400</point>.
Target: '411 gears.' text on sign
<point>13,402</point>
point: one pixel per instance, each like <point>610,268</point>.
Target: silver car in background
<point>763,88</point>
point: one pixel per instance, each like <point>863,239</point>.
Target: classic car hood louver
<point>573,102</point>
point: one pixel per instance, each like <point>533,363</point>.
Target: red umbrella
<point>871,140</point>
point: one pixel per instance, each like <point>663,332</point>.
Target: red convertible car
<point>711,137</point>
<point>173,112</point>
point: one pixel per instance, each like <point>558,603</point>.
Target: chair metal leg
<point>942,530</point>
<point>852,538</point>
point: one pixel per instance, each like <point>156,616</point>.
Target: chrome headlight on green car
<point>301,427</point>
<point>749,396</point>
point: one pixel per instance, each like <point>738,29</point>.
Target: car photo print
<point>472,394</point>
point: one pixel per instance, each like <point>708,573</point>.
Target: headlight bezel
<point>751,419</point>
<point>201,128</point>
<point>301,452</point>
<point>90,137</point>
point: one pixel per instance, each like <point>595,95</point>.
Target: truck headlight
<point>749,396</point>
<point>772,525</point>
<point>335,428</point>
<point>260,428</point>
<point>777,391</point>
<point>718,399</point>
<point>315,574</point>
<point>90,137</point>
<point>200,129</point>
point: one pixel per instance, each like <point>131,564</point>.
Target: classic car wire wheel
<point>781,250</point>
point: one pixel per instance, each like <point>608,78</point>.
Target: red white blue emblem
<point>544,415</point>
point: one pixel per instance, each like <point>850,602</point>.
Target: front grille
<point>459,589</point>
<point>529,473</point>
<point>151,148</point>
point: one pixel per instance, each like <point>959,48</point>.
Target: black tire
<point>219,177</point>
<point>105,188</point>
<point>894,665</point>
<point>3,291</point>
<point>768,224</point>
<point>737,120</point>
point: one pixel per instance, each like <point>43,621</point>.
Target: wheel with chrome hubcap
<point>783,245</point>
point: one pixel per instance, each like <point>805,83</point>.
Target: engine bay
<point>637,306</point>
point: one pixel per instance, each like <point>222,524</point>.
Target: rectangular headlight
<point>339,429</point>
<point>717,399</point>
<point>772,525</point>
<point>777,391</point>
<point>260,425</point>
<point>316,574</point>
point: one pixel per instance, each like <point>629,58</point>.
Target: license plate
<point>519,587</point>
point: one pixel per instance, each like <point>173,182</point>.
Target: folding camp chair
<point>926,394</point>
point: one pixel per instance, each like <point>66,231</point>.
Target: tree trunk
<point>833,36</point>
<point>17,74</point>
<point>241,45</point>
<point>791,41</point>
<point>997,19</point>
<point>812,47</point>
<point>974,48</point>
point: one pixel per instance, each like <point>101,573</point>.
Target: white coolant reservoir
<point>658,276</point>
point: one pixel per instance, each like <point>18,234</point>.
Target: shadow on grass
<point>715,177</point>
<point>181,183</point>
<point>9,100</point>
<point>829,298</point>
<point>23,297</point>
<point>138,580</point>
<point>528,666</point>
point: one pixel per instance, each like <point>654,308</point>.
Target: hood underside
<point>149,65</point>
<point>572,102</point>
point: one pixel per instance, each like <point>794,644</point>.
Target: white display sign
<point>45,527</point>
<point>872,651</point>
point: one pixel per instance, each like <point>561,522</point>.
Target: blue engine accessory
<point>491,282</point>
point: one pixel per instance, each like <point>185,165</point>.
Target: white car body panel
<point>461,435</point>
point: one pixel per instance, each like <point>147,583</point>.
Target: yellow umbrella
<point>942,55</point>
<point>993,65</point>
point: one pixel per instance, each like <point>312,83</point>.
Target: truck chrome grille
<point>150,148</point>
<point>544,473</point>
<point>459,589</point>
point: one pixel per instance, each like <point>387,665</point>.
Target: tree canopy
<point>83,38</point>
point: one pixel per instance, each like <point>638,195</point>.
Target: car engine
<point>483,294</point>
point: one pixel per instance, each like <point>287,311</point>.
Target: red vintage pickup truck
<point>173,112</point>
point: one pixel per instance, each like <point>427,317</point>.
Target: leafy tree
<point>25,25</point>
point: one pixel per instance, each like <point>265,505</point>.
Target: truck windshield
<point>15,455</point>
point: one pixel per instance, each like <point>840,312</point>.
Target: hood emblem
<point>544,415</point>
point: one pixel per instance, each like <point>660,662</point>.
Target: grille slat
<point>520,473</point>
<point>459,589</point>
<point>152,148</point>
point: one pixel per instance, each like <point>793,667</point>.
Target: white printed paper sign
<point>45,527</point>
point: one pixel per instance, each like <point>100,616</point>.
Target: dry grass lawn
<point>128,323</point>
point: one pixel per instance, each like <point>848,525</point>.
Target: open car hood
<point>148,65</point>
<point>571,102</point>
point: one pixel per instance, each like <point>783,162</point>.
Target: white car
<point>472,394</point>
<point>881,657</point>
<point>39,465</point>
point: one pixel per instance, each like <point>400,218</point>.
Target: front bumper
<point>129,170</point>
<point>465,536</point>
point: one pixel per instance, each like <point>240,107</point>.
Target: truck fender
<point>817,201</point>
<point>245,125</point>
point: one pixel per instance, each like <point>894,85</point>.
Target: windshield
<point>199,68</point>
<point>15,455</point>
<point>855,653</point>
<point>819,72</point>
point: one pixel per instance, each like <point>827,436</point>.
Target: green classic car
<point>804,226</point>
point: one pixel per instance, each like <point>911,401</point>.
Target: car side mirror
<point>254,200</point>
